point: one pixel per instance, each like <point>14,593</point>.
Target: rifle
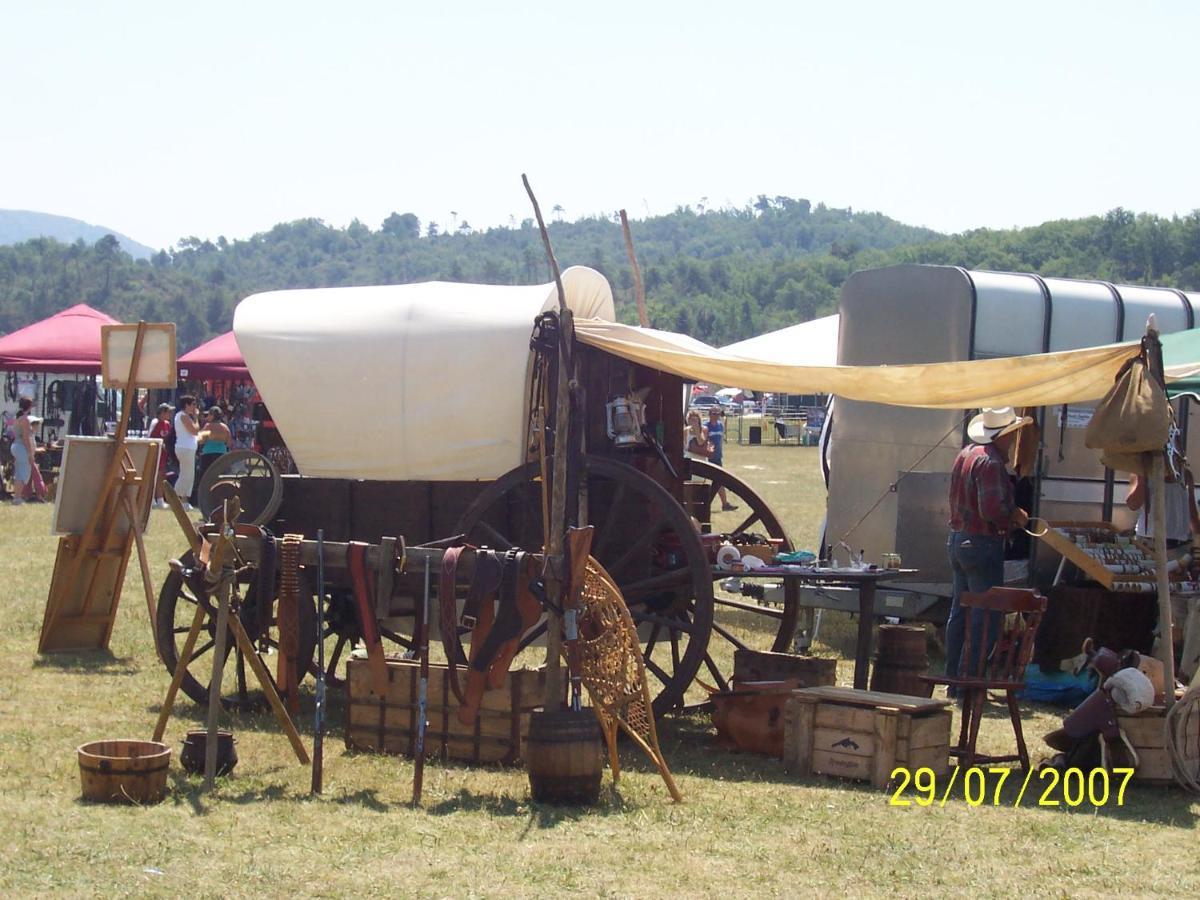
<point>422,692</point>
<point>578,546</point>
<point>319,715</point>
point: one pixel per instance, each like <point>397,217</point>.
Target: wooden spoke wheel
<point>281,458</point>
<point>342,634</point>
<point>250,477</point>
<point>646,542</point>
<point>742,623</point>
<point>177,601</point>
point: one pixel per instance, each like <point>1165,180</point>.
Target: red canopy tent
<point>67,342</point>
<point>218,359</point>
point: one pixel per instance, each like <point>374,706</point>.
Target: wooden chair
<point>1003,669</point>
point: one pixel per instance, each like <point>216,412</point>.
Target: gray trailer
<point>887,467</point>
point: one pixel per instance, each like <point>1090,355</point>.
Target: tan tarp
<point>1048,379</point>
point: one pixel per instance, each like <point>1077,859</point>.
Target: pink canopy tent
<point>67,342</point>
<point>218,359</point>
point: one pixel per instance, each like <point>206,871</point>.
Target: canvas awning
<point>1047,379</point>
<point>66,342</point>
<point>219,358</point>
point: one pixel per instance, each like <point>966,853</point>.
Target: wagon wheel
<point>251,477</point>
<point>177,605</point>
<point>281,458</point>
<point>342,633</point>
<point>646,542</point>
<point>753,515</point>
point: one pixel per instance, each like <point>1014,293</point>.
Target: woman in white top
<point>186,429</point>
<point>24,452</point>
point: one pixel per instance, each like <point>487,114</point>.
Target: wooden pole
<point>1157,497</point>
<point>558,498</point>
<point>185,657</point>
<point>639,290</point>
<point>1166,641</point>
<point>223,591</point>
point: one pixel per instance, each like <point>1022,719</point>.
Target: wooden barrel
<point>124,771</point>
<point>900,661</point>
<point>565,757</point>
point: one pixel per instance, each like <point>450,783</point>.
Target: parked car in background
<point>704,401</point>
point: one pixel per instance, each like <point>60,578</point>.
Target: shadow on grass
<point>540,815</point>
<point>189,789</point>
<point>88,662</point>
<point>258,717</point>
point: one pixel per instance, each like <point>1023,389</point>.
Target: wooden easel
<point>89,569</point>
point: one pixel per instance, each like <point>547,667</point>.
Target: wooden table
<point>864,580</point>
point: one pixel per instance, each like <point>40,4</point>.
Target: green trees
<point>718,274</point>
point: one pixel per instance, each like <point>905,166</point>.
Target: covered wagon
<point>409,412</point>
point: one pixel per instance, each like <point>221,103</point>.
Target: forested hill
<point>18,225</point>
<point>719,275</point>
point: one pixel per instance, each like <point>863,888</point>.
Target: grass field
<point>747,828</point>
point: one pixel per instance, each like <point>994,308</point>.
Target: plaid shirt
<point>981,495</point>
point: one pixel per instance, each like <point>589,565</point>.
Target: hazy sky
<point>163,120</point>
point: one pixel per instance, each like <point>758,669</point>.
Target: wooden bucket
<point>900,661</point>
<point>565,757</point>
<point>124,771</point>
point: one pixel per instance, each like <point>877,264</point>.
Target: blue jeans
<point>978,564</point>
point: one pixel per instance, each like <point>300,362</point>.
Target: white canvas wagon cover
<point>423,382</point>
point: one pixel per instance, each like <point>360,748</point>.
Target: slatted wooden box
<point>388,724</point>
<point>864,735</point>
<point>1145,732</point>
<point>765,665</point>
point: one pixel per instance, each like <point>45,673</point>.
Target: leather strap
<point>264,584</point>
<point>287,674</point>
<point>448,618</point>
<point>364,609</point>
<point>493,647</point>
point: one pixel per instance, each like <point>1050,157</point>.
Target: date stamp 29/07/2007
<point>985,787</point>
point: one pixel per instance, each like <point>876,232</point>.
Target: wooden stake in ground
<point>639,290</point>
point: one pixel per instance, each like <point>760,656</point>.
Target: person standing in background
<point>24,452</point>
<point>161,429</point>
<point>716,437</point>
<point>982,513</point>
<point>186,430</point>
<point>214,440</point>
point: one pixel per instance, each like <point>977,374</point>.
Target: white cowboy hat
<point>991,423</point>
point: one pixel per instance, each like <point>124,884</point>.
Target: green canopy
<point>1181,362</point>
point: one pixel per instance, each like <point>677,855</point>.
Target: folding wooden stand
<point>89,569</point>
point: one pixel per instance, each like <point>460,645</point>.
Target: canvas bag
<point>1134,415</point>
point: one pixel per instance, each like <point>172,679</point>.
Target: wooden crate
<point>864,735</point>
<point>764,665</point>
<point>1145,732</point>
<point>388,724</point>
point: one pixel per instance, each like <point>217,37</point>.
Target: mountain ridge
<point>20,225</point>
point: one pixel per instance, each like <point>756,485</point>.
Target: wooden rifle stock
<point>579,546</point>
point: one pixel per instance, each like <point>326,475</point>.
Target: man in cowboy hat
<point>982,513</point>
